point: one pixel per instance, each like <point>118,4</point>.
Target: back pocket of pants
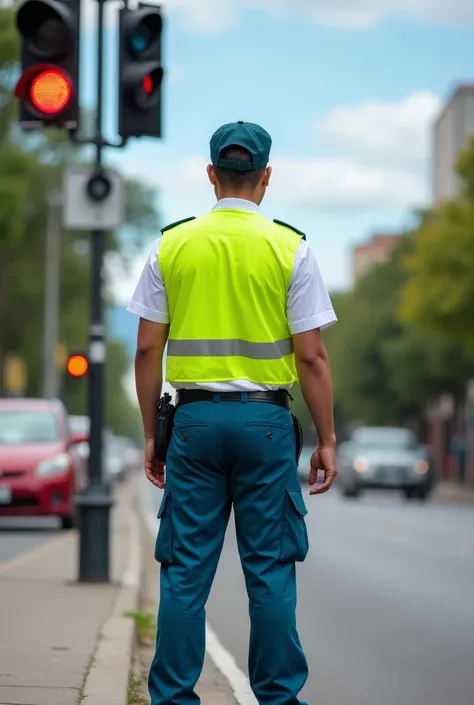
<point>294,538</point>
<point>164,540</point>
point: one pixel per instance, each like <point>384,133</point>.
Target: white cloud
<point>369,13</point>
<point>122,283</point>
<point>213,16</point>
<point>383,133</point>
<point>380,161</point>
<point>339,184</point>
<point>334,184</point>
<point>377,167</point>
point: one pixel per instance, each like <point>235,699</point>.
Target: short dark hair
<point>238,179</point>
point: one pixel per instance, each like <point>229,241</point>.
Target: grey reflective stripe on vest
<point>230,348</point>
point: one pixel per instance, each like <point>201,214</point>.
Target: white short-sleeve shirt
<point>308,303</point>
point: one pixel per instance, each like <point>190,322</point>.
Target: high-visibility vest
<point>227,276</point>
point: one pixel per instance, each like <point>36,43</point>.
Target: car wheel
<point>421,494</point>
<point>67,523</point>
<point>351,492</point>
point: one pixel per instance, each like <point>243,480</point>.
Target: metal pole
<point>51,296</point>
<point>95,503</point>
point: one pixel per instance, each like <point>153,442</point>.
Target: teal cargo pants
<point>225,454</point>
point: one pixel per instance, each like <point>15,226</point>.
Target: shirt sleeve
<point>150,300</point>
<point>308,302</point>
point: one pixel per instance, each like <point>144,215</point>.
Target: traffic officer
<point>240,303</point>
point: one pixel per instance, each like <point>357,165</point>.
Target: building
<point>374,251</point>
<point>452,129</point>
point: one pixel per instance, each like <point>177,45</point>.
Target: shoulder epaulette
<point>178,222</point>
<point>286,225</point>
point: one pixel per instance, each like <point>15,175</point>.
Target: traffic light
<point>140,72</point>
<point>48,88</point>
<point>77,365</point>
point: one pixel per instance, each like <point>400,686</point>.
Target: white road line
<point>222,659</point>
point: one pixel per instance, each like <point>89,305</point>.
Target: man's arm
<point>150,303</point>
<point>310,311</point>
<point>314,374</point>
<point>151,344</point>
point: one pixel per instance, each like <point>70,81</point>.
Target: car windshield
<point>392,438</point>
<point>19,427</point>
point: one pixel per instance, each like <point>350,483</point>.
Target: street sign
<point>92,201</point>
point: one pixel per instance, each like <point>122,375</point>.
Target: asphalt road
<point>386,602</point>
<point>20,535</point>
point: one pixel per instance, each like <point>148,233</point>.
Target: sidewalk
<point>64,643</point>
<point>213,688</point>
<point>453,492</point>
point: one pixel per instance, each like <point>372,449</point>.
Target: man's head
<point>240,153</point>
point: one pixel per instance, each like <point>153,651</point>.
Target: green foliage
<point>385,371</point>
<point>30,166</point>
<point>439,294</point>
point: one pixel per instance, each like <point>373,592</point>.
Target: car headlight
<point>53,466</point>
<point>421,467</point>
<point>361,464</point>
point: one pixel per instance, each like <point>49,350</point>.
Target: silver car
<point>384,458</point>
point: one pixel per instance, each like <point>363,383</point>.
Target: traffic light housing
<point>140,72</point>
<point>77,365</point>
<point>48,88</point>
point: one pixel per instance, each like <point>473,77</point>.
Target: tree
<point>439,293</point>
<point>386,371</point>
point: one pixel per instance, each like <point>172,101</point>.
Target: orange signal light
<point>50,92</point>
<point>77,365</point>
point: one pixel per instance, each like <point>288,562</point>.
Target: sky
<point>348,89</point>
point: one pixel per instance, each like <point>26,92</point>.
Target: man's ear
<point>211,173</point>
<point>266,177</point>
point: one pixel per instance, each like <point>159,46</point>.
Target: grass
<point>145,625</point>
<point>135,697</point>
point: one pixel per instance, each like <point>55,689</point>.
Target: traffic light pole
<point>95,503</point>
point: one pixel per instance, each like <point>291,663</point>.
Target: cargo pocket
<point>164,540</point>
<point>294,540</point>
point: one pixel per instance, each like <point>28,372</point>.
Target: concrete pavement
<point>62,643</point>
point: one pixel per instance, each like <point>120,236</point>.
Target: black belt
<point>279,397</point>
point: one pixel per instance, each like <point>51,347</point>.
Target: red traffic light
<point>47,89</point>
<point>148,84</point>
<point>77,365</point>
<point>50,92</point>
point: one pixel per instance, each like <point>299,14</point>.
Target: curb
<point>107,681</point>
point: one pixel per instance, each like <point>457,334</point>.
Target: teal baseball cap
<point>241,134</point>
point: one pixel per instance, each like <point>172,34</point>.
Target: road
<point>20,535</point>
<point>385,605</point>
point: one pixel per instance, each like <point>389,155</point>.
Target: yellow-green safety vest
<point>227,275</point>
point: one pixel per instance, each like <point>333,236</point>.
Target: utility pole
<point>51,295</point>
<point>95,503</point>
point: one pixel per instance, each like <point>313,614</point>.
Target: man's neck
<point>240,197</point>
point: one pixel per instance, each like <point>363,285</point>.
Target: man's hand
<point>154,470</point>
<point>323,458</point>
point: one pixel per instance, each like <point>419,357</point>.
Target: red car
<point>40,469</point>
